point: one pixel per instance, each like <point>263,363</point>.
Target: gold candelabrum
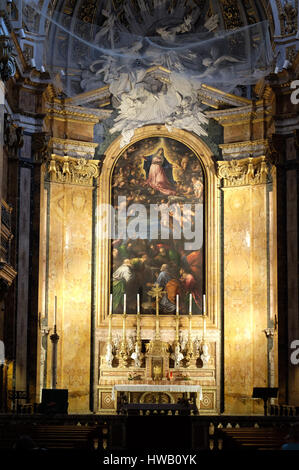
<point>205,356</point>
<point>138,335</point>
<point>189,347</point>
<point>157,292</point>
<point>138,356</point>
<point>204,328</point>
<point>123,352</point>
<point>177,324</point>
<point>109,345</point>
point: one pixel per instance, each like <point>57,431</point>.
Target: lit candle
<point>55,311</point>
<point>110,306</point>
<point>125,304</point>
<point>138,303</point>
<point>190,304</point>
<point>204,304</point>
<point>177,304</point>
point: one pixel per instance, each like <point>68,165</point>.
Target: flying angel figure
<point>169,34</point>
<point>214,68</point>
<point>108,28</point>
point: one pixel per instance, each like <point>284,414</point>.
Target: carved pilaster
<point>7,61</point>
<point>13,137</point>
<point>245,172</point>
<point>73,170</point>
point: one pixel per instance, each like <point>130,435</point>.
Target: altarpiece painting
<point>158,191</point>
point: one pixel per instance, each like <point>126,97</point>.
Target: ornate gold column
<point>69,266</point>
<point>246,279</point>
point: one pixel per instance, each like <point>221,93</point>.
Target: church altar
<point>156,389</point>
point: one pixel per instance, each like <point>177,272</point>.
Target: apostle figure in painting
<point>190,285</point>
<point>164,276</point>
<point>162,257</point>
<point>121,278</point>
<point>171,287</point>
<point>159,173</point>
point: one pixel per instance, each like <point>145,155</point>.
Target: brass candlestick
<point>137,354</point>
<point>189,348</point>
<point>123,354</point>
<point>157,292</point>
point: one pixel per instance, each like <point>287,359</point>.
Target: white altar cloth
<point>156,388</point>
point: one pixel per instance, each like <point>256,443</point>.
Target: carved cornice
<point>251,148</point>
<point>68,170</point>
<point>60,110</point>
<point>73,112</point>
<point>73,148</point>
<point>219,99</point>
<point>241,115</point>
<point>100,97</point>
<point>245,172</point>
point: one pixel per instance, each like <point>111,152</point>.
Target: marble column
<point>23,278</point>
<point>245,282</point>
<point>292,226</point>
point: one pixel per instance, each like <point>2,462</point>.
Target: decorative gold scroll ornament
<point>73,170</point>
<point>245,172</point>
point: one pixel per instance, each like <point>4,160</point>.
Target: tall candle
<point>55,311</point>
<point>190,303</point>
<point>125,303</point>
<point>204,327</point>
<point>204,304</point>
<point>177,304</point>
<point>138,303</point>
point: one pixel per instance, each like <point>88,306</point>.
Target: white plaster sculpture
<point>205,357</point>
<point>177,356</point>
<point>109,355</point>
<point>136,355</point>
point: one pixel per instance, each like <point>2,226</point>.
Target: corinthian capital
<point>73,170</point>
<point>245,172</point>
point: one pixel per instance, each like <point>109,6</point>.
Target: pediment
<point>208,95</point>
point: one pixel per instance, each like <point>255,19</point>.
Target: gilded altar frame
<point>211,228</point>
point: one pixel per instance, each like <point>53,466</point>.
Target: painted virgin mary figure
<point>159,173</point>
